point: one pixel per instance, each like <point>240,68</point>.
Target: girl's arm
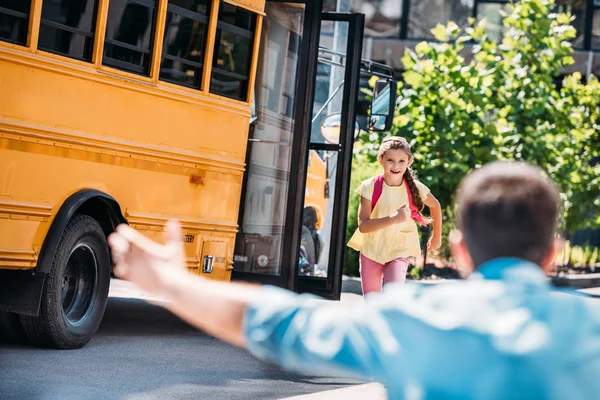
<point>435,209</point>
<point>366,224</point>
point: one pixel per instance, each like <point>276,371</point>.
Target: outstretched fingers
<point>174,246</point>
<point>140,241</point>
<point>120,248</point>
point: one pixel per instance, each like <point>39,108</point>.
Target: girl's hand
<point>435,242</point>
<point>401,215</point>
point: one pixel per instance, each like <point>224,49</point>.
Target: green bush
<point>463,106</point>
<point>578,256</point>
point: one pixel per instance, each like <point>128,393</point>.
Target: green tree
<point>468,100</point>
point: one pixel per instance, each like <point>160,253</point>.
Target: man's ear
<point>549,261</point>
<point>460,253</point>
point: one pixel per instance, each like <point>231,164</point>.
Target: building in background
<point>394,25</point>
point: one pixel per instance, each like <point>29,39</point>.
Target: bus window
<point>233,55</point>
<point>67,27</point>
<point>14,20</point>
<point>129,35</point>
<point>185,42</point>
<point>259,244</point>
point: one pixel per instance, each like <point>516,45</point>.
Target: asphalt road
<point>141,351</point>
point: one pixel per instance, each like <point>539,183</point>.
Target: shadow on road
<point>135,317</point>
<point>142,351</point>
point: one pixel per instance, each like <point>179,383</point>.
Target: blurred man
<point>501,334</point>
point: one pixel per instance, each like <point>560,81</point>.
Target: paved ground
<point>367,391</point>
<point>141,351</point>
<point>592,291</point>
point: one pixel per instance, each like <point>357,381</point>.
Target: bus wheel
<point>76,288</point>
<point>307,249</point>
<point>10,328</point>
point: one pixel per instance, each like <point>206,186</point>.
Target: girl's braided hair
<point>399,143</point>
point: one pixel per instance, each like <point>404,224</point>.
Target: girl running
<point>390,208</point>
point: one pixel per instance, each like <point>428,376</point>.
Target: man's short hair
<point>508,209</point>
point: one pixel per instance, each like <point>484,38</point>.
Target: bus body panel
<point>160,152</point>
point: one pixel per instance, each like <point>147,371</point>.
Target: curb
<point>577,281</point>
<point>351,284</point>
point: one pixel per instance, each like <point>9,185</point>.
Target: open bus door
<point>295,192</point>
<point>334,128</point>
<point>332,135</point>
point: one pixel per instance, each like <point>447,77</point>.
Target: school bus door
<point>286,217</point>
<point>332,134</point>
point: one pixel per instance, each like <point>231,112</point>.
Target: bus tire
<point>11,330</point>
<point>307,248</point>
<point>76,288</point>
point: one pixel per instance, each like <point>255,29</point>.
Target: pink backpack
<point>378,188</point>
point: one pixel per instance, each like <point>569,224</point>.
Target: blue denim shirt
<point>501,334</point>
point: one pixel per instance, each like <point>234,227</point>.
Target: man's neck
<point>502,268</point>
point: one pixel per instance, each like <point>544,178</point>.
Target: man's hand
<point>401,215</point>
<point>150,265</point>
<point>215,307</point>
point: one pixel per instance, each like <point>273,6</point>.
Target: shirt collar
<point>511,269</point>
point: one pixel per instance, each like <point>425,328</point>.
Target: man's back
<point>501,334</point>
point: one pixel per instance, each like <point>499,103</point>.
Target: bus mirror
<point>382,105</point>
<point>330,128</point>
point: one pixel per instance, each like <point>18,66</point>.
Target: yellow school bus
<point>139,111</point>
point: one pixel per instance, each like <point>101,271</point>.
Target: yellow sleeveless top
<point>398,240</point>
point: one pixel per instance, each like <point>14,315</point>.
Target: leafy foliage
<point>468,100</point>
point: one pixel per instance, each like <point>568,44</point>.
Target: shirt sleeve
<point>401,329</point>
<point>409,328</point>
<point>307,334</point>
<point>365,189</point>
<point>423,190</point>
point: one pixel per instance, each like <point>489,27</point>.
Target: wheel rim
<point>79,283</point>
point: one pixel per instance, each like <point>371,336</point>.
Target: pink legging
<point>372,273</point>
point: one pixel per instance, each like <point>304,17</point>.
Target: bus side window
<point>68,27</point>
<point>233,52</point>
<point>14,20</point>
<point>184,43</point>
<point>130,35</point>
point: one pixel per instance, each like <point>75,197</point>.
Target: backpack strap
<point>377,189</point>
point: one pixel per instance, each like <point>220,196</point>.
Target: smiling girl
<point>390,207</point>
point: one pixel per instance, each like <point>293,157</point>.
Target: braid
<point>414,190</point>
<point>411,181</point>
